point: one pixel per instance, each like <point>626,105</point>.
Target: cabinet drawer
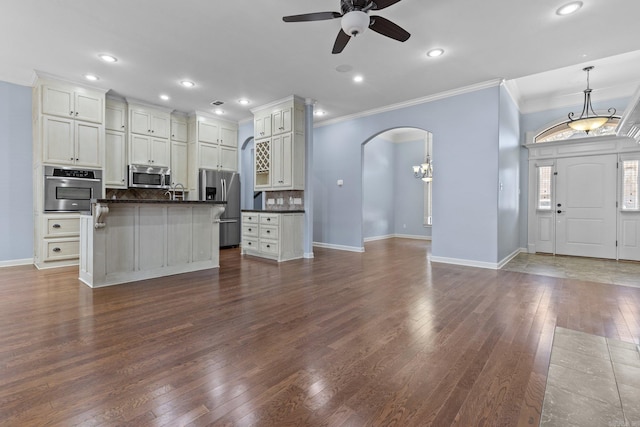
<point>61,249</point>
<point>250,230</point>
<point>62,226</point>
<point>269,219</point>
<point>250,244</point>
<point>269,232</point>
<point>249,218</point>
<point>268,247</point>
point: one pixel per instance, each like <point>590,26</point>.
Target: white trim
<point>410,103</point>
<point>338,247</point>
<point>52,78</point>
<point>308,255</point>
<point>374,238</point>
<point>16,262</point>
<point>509,257</point>
<point>465,262</point>
<point>278,102</point>
<point>399,236</point>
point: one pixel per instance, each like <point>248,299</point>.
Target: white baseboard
<point>465,262</point>
<point>308,255</point>
<point>16,262</point>
<point>400,236</point>
<point>509,257</point>
<point>338,247</point>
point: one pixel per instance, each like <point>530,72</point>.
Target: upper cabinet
<point>115,116</point>
<point>178,129</point>
<point>74,103</point>
<point>148,121</point>
<point>213,144</point>
<point>279,158</point>
<point>115,163</point>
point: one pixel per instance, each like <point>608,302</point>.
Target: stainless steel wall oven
<point>70,190</point>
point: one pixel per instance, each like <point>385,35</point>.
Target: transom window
<point>562,131</point>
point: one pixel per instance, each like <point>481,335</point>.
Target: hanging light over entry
<point>588,119</point>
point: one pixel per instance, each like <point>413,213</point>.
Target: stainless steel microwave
<point>70,190</point>
<point>142,176</point>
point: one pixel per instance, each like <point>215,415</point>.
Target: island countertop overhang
<point>157,201</point>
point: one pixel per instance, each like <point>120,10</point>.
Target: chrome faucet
<point>174,189</point>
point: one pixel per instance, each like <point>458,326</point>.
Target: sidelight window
<point>544,188</point>
<point>630,184</point>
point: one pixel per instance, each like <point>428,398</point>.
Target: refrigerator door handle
<point>203,184</point>
<point>227,221</point>
<point>224,189</point>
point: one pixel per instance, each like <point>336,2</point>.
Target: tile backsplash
<point>284,200</point>
<point>136,194</point>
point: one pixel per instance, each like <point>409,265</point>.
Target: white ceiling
<point>241,48</point>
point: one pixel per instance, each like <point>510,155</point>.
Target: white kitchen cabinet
<point>115,164</point>
<point>179,163</point>
<point>148,121</point>
<point>212,144</point>
<point>71,142</point>
<point>146,150</point>
<point>273,235</point>
<point>75,103</point>
<point>178,130</point>
<point>115,116</point>
<point>262,125</point>
<point>279,160</point>
<point>60,239</point>
<point>282,120</point>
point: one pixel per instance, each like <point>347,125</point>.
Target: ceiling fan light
<point>588,124</point>
<point>355,22</point>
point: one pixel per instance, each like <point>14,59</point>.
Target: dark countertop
<point>266,211</point>
<point>158,201</point>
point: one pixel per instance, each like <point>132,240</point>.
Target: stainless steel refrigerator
<point>223,186</point>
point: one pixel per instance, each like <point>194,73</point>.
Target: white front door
<point>586,206</point>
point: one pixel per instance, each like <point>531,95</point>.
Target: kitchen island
<point>127,240</point>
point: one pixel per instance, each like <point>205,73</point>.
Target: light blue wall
<point>508,177</point>
<point>16,182</point>
<point>464,195</point>
<point>378,189</point>
<point>409,191</point>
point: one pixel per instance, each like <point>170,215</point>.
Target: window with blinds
<point>544,187</point>
<point>630,185</point>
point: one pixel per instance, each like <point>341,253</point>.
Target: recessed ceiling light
<point>164,97</point>
<point>433,53</point>
<point>358,79</point>
<point>107,58</point>
<point>319,113</point>
<point>569,8</point>
<point>187,83</point>
<point>244,101</point>
<point>91,77</point>
<point>218,111</point>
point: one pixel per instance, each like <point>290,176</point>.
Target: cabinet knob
<point>153,131</point>
<point>122,179</point>
<point>268,246</point>
<point>249,229</point>
<point>77,160</point>
<point>56,249</point>
<point>122,126</point>
<point>76,113</point>
<point>71,113</point>
<point>56,225</point>
<point>268,219</point>
<point>70,158</point>
<point>149,130</point>
<point>268,231</point>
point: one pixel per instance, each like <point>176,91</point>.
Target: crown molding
<point>41,75</point>
<point>278,102</point>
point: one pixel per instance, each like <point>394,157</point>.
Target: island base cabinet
<point>136,242</point>
<point>277,236</point>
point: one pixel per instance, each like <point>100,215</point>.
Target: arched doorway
<point>395,202</point>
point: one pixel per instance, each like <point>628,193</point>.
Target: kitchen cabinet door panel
<point>88,107</point>
<point>228,158</point>
<point>58,140</point>
<point>208,132</point>
<point>115,165</point>
<point>57,101</point>
<point>88,144</point>
<point>209,156</point>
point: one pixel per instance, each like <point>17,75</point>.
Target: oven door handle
<point>60,178</point>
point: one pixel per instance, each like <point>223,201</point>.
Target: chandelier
<point>424,171</point>
<point>588,119</point>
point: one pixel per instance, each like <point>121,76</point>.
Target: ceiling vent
<point>217,103</point>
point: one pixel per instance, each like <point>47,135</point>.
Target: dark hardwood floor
<point>345,339</point>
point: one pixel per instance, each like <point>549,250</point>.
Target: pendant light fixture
<point>588,119</point>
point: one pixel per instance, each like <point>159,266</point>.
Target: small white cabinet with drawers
<point>273,235</point>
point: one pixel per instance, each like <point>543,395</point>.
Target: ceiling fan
<point>356,19</point>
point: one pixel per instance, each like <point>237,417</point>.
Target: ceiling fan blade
<point>341,41</point>
<point>381,4</point>
<point>387,28</point>
<point>318,16</point>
